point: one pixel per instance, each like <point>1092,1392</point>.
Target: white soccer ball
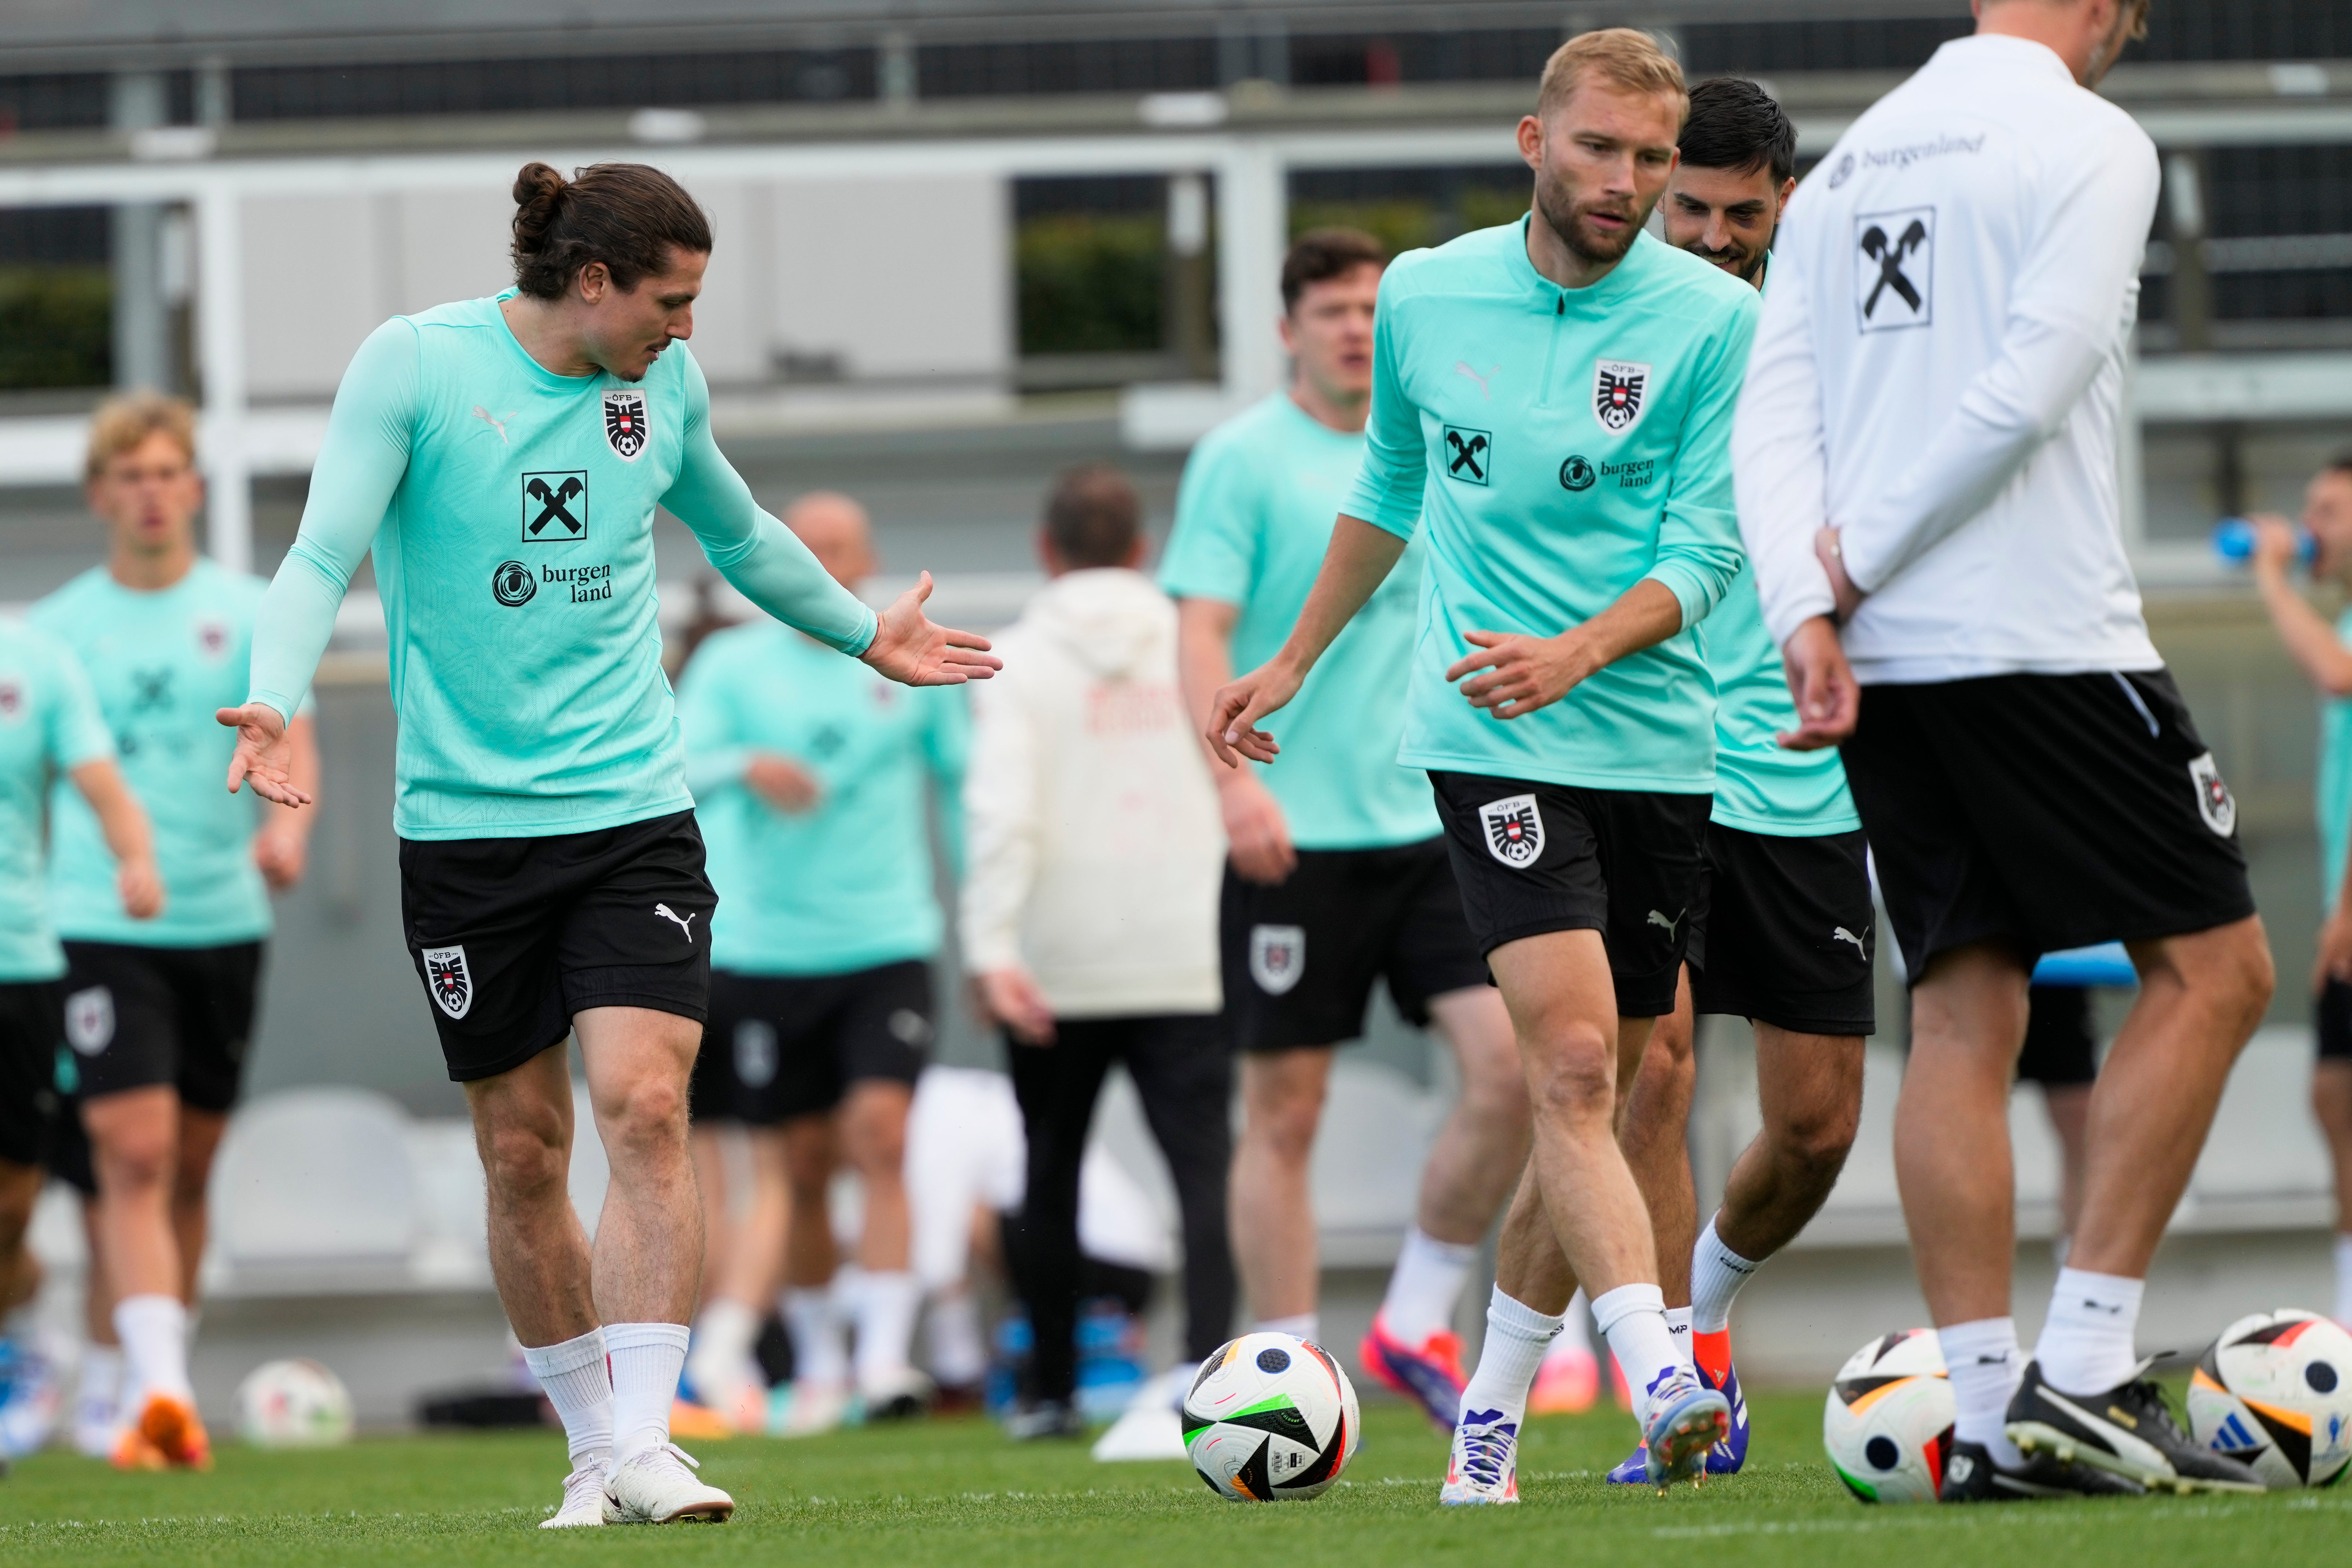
<point>1888,1424</point>
<point>1271,1418</point>
<point>2275,1392</point>
<point>293,1405</point>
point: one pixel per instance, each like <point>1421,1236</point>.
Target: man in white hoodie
<point>1095,855</point>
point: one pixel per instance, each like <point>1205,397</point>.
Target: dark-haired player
<point>1784,935</point>
<point>1337,876</point>
<point>503,458</point>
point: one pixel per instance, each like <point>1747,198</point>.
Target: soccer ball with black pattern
<point>1270,1418</point>
<point>2274,1392</point>
<point>1888,1423</point>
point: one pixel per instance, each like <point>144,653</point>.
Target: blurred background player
<point>159,1010</point>
<point>50,729</point>
<point>2324,653</point>
<point>1336,874</point>
<point>1926,477</point>
<point>2061,1057</point>
<point>1574,766</point>
<point>814,778</point>
<point>552,874</point>
<point>1784,934</point>
<point>1089,913</point>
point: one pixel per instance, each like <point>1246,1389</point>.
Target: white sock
<point>1298,1326</point>
<point>99,1397</point>
<point>1716,1275</point>
<point>154,1334</point>
<point>1678,1325</point>
<point>958,1349</point>
<point>580,1386</point>
<point>2087,1341</point>
<point>1425,1285</point>
<point>646,1360</point>
<point>1632,1319</point>
<point>886,1305</point>
<point>2343,1278</point>
<point>819,1352</point>
<point>721,1348</point>
<point>1517,1336</point>
<point>1982,1360</point>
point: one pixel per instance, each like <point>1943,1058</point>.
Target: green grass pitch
<point>955,1493</point>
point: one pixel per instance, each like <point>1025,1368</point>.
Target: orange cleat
<point>172,1425</point>
<point>699,1421</point>
<point>133,1451</point>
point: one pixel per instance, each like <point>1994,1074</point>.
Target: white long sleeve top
<point>1939,370</point>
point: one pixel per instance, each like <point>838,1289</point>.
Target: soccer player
<point>1784,935</point>
<point>1552,402</point>
<point>811,772</point>
<point>50,727</point>
<point>1926,470</point>
<point>159,1012</point>
<point>503,458</point>
<point>1336,874</point>
<point>2325,654</point>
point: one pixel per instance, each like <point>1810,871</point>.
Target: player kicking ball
<point>1552,402</point>
<point>504,457</point>
<point>1336,874</point>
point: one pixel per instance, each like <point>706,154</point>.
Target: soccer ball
<point>2275,1392</point>
<point>293,1405</point>
<point>1271,1418</point>
<point>1888,1425</point>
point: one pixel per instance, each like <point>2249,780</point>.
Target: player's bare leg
<point>199,1142</point>
<point>1653,1130</point>
<point>741,1275</point>
<point>2331,1102</point>
<point>134,1148</point>
<point>1274,1252</point>
<point>821,1369</point>
<point>872,1125</point>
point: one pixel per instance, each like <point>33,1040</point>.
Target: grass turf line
<point>955,1493</point>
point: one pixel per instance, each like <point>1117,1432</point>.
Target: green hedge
<point>57,327</point>
<point>1090,284</point>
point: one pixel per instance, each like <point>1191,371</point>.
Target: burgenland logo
<point>513,584</point>
<point>1577,474</point>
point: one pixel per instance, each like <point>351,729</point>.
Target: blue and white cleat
<point>1484,1464</point>
<point>1725,1457</point>
<point>1686,1419</point>
<point>1633,1471</point>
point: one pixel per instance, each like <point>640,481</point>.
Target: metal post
<point>142,356</point>
<point>1253,230</point>
<point>220,321</point>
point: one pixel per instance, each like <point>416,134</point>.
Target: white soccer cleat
<point>658,1487</point>
<point>584,1502</point>
<point>1484,1464</point>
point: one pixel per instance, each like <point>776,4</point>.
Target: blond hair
<point>1623,57</point>
<point>122,424</point>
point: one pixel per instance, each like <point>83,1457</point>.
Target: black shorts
<point>1301,956</point>
<point>1536,858</point>
<point>785,1046</point>
<point>512,936</point>
<point>2044,811</point>
<point>1785,933</point>
<point>138,1017</point>
<point>2060,1049</point>
<point>32,1033</point>
<point>2336,1022</point>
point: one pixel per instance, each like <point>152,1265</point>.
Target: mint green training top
<point>1556,447</point>
<point>1761,786</point>
<point>510,511</point>
<point>849,884</point>
<point>49,725</point>
<point>1254,515</point>
<point>161,664</point>
<point>2332,796</point>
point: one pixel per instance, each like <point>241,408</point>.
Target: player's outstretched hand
<point>911,651</point>
<point>264,757</point>
<point>1828,699</point>
<point>1522,673</point>
<point>1240,703</point>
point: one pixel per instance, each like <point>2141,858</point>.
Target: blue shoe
<point>1725,1457</point>
<point>1686,1419</point>
<point>1429,1373</point>
<point>1633,1471</point>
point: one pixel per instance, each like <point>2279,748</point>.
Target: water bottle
<point>2233,541</point>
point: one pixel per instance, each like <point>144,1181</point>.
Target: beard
<point>1569,220</point>
<point>1745,265</point>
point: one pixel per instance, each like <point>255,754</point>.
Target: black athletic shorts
<point>2044,811</point>
<point>1301,956</point>
<point>1535,857</point>
<point>785,1045</point>
<point>32,1033</point>
<point>2059,1048</point>
<point>1784,933</point>
<point>2336,1022</point>
<point>138,1017</point>
<point>512,936</point>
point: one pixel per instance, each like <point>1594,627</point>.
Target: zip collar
<point>1549,299</point>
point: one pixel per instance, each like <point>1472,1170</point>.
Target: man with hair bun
<point>1336,877</point>
<point>503,458</point>
<point>1551,405</point>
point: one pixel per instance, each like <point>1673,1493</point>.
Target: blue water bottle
<point>2233,541</point>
